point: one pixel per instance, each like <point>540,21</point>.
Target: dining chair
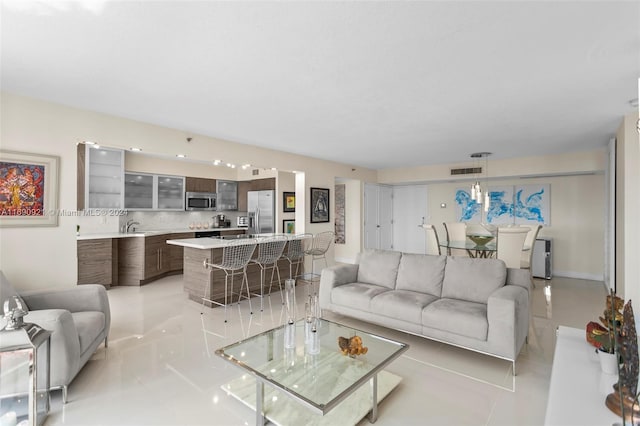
<point>510,244</point>
<point>527,255</point>
<point>456,231</point>
<point>433,244</point>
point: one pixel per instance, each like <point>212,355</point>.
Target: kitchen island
<point>196,277</point>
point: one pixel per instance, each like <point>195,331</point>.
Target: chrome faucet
<point>129,224</point>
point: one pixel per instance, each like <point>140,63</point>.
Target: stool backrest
<point>270,250</point>
<point>237,253</point>
<point>321,243</point>
<point>297,246</point>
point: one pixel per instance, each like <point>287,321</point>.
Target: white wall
<point>628,211</point>
<point>577,220</point>
<point>46,257</point>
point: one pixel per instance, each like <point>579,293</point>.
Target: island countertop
<point>208,243</point>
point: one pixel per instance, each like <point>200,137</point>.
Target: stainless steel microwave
<point>200,201</point>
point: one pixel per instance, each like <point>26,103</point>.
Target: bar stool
<point>269,251</point>
<point>295,251</point>
<point>235,257</point>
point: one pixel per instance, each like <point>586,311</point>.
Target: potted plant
<point>604,335</point>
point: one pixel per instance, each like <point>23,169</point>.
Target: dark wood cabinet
<point>97,262</point>
<point>252,185</point>
<point>145,259</point>
<point>243,187</point>
<point>263,184</point>
<point>195,184</point>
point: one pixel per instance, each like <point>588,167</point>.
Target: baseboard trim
<point>579,275</point>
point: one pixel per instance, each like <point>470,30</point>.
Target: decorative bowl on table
<point>480,240</point>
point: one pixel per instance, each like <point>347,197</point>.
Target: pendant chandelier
<point>476,189</point>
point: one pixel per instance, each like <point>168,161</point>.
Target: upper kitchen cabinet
<point>170,193</point>
<point>194,184</point>
<point>138,191</point>
<point>100,177</point>
<point>227,195</point>
<point>143,191</point>
<point>244,186</point>
<point>263,184</point>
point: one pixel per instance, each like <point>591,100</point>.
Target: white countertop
<point>149,233</point>
<point>212,243</point>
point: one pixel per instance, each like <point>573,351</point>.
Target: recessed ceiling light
<point>273,168</point>
<point>181,156</point>
<point>216,162</point>
<point>135,149</point>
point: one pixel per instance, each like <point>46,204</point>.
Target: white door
<point>378,217</point>
<point>409,212</point>
<point>385,218</point>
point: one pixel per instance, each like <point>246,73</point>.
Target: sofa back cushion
<point>379,267</point>
<point>422,273</point>
<point>471,279</point>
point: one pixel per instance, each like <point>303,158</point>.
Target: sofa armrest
<point>508,317</point>
<point>335,276</point>
<point>519,277</point>
<point>65,345</point>
<point>87,297</point>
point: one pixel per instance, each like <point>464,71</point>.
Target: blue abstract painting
<point>531,204</point>
<point>508,204</point>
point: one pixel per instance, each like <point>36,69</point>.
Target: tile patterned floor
<point>160,368</point>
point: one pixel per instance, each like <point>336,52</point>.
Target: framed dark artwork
<point>289,226</point>
<point>28,189</point>
<point>289,202</point>
<point>319,205</point>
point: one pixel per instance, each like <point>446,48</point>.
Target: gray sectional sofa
<point>477,304</point>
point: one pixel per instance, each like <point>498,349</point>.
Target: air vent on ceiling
<point>467,171</point>
<point>255,172</point>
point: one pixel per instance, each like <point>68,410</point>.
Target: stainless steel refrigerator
<point>261,211</point>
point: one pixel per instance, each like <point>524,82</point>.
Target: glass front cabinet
<point>103,178</point>
<point>144,191</point>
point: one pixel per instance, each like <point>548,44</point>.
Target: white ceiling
<point>374,84</point>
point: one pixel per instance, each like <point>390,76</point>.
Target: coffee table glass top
<point>319,380</point>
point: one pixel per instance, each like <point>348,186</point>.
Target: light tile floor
<point>160,367</point>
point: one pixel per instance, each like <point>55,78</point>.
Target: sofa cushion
<point>460,317</point>
<point>402,304</point>
<point>89,325</point>
<point>379,267</point>
<point>356,295</point>
<point>421,273</point>
<point>471,279</point>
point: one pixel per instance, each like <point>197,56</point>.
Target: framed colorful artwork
<point>289,202</point>
<point>28,189</point>
<point>289,226</point>
<point>319,205</point>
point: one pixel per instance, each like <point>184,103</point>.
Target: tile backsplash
<point>150,221</point>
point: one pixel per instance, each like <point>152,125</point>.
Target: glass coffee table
<point>311,370</point>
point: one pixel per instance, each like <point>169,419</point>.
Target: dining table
<point>474,250</point>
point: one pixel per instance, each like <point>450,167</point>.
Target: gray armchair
<point>78,318</point>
